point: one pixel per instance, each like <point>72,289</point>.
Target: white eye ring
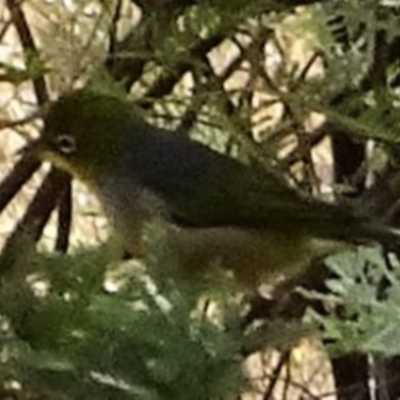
<point>66,144</point>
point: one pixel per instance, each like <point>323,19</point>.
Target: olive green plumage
<point>216,209</point>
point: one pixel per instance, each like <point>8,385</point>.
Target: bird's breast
<point>129,207</point>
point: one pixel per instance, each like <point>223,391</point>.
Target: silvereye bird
<point>214,208</point>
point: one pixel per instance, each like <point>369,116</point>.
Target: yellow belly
<point>255,257</point>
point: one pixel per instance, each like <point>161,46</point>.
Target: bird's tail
<point>335,222</point>
<point>372,231</point>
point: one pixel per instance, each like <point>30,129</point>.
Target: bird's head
<point>85,132</point>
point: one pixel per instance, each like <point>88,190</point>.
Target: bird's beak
<point>33,148</point>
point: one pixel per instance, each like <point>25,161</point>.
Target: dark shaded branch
<point>127,59</point>
<point>351,374</point>
<point>36,216</point>
<point>19,175</point>
<point>113,29</point>
<point>64,219</point>
<point>9,124</point>
<point>4,29</point>
<point>274,376</point>
<point>167,82</point>
<point>151,6</point>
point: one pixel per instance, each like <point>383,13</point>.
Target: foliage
<point>228,70</point>
<point>365,292</point>
<point>88,326</point>
<point>70,335</point>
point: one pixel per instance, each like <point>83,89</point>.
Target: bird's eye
<point>66,144</point>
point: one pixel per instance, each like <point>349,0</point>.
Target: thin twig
<point>274,376</point>
<point>10,124</point>
<point>165,84</point>
<point>4,29</point>
<point>113,32</point>
<point>28,45</point>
